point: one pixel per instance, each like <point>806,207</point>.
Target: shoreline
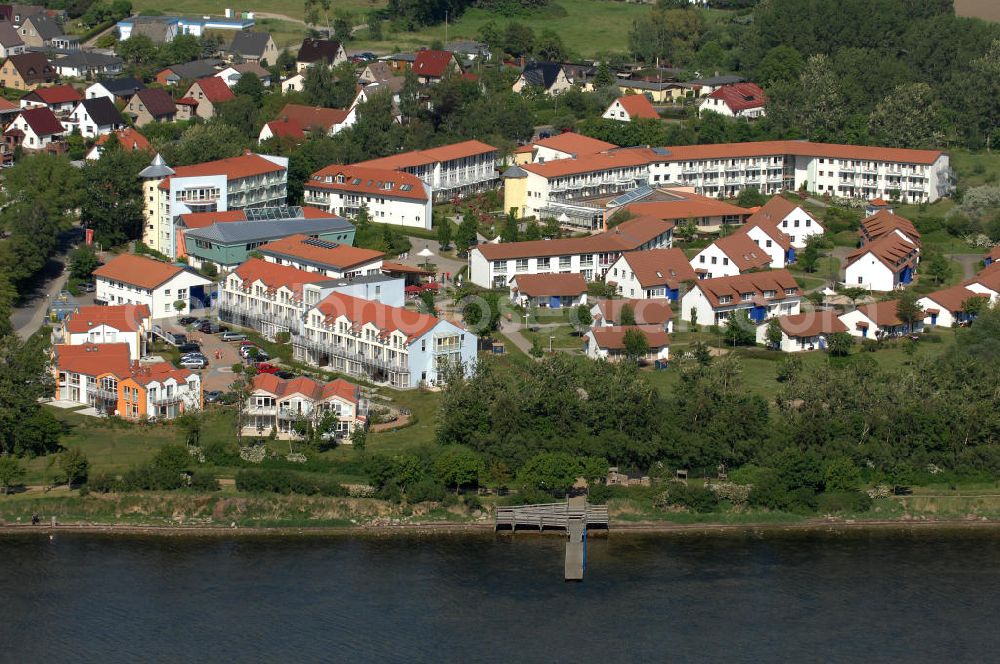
<point>806,527</point>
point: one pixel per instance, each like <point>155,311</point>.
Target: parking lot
<point>221,356</point>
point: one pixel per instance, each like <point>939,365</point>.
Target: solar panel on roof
<point>322,244</point>
<point>631,196</point>
<point>273,213</point>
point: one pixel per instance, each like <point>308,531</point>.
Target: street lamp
<point>551,338</point>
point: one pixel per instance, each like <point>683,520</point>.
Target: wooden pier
<point>575,516</point>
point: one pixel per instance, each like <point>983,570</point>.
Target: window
<point>725,299</point>
<point>714,260</point>
<point>768,243</point>
<point>746,297</point>
<point>701,259</point>
<point>521,265</point>
<point>725,261</point>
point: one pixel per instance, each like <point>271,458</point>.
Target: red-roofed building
<point>281,129</point>
<point>655,312</point>
<point>886,222</point>
<point>451,171</point>
<point>878,320</point>
<point>318,118</point>
<point>655,273</point>
<point>58,98</point>
<point>737,100</point>
<point>128,323</point>
<point>549,291</point>
<point>760,295</point>
<point>326,258</point>
<point>275,405</point>
<point>36,128</point>
<point>631,107</point>
<point>733,254</point>
<point>568,145</point>
<point>392,197</point>
<point>883,264</point>
<point>431,66</point>
<point>781,217</point>
<point>129,139</point>
<point>131,279</point>
<point>384,344</point>
<point>948,307</point>
<point>608,343</point>
<point>805,331</point>
<point>209,92</point>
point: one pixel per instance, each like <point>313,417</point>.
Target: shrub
<point>104,483</point>
<point>272,480</point>
<point>202,481</point>
<point>843,501</point>
<point>694,498</point>
<point>425,491</point>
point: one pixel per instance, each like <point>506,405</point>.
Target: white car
<point>193,363</point>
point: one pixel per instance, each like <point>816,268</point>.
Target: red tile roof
<point>433,63</point>
<point>993,254</point>
<point>769,227</point>
<point>137,271</point>
<point>952,299</point>
<point>988,277</point>
<point>613,338</point>
<point>647,312</point>
<point>811,324</point>
<point>42,121</point>
<point>93,359</point>
<point>575,144</point>
<point>549,285</point>
<point>7,105</point>
<point>776,210</point>
<point>187,101</point>
<point>743,252</point>
<point>234,168</point>
<point>659,267</point>
<point>339,257</point>
<point>214,89</point>
<point>755,283</point>
<point>885,222</point>
<point>276,276</point>
<point>369,181</point>
<point>883,314</point>
<point>430,156</point>
<point>313,117</point>
<point>286,129</point>
<point>158,372</point>
<point>642,229</point>
<point>638,106</point>
<point>391,268</point>
<point>130,140</point>
<point>589,163</point>
<point>123,317</point>
<point>892,250</point>
<point>387,319</point>
<point>307,387</point>
<point>687,206</point>
<point>799,149</point>
<point>740,96</point>
<point>56,94</point>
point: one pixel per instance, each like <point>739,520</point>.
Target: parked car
<point>265,367</point>
<point>194,363</point>
<point>233,336</point>
<point>213,396</point>
<point>87,287</point>
<point>245,350</point>
<point>284,374</point>
<point>187,320</point>
<point>208,327</point>
<point>179,338</point>
<point>189,347</point>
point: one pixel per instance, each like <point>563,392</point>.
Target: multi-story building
<point>760,294</point>
<point>451,171</point>
<point>392,345</point>
<point>780,215</point>
<point>494,265</point>
<point>331,259</point>
<point>167,290</point>
<point>651,274</point>
<point>247,181</point>
<point>279,405</point>
<point>883,264</point>
<point>390,196</point>
<point>734,254</point>
<point>128,323</point>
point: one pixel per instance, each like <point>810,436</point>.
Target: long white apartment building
<point>455,170</point>
<point>390,196</point>
<point>247,181</point>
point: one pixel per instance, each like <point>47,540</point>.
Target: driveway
<point>218,375</point>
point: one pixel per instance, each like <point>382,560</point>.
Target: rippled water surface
<point>863,597</point>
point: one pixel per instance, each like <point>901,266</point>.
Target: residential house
<point>42,31</point>
<point>550,77</point>
<point>151,105</point>
<point>131,279</point>
<point>702,87</point>
<point>451,171</point>
<point>494,265</point>
<point>376,72</point>
<point>548,291</point>
<point>233,73</point>
<point>159,29</point>
<point>327,257</point>
<point>882,265</point>
<point>256,47</point>
<point>158,391</point>
<point>949,307</point>
<point>277,406</point>
<point>991,257</point>
<point>651,274</point>
<point>226,239</point>
<point>986,282</point>
<point>737,100</point>
<point>631,107</point>
<point>294,83</point>
<point>209,93</point>
<point>384,344</point>
<point>281,129</point>
<point>885,222</point>
<point>390,196</point>
<point>760,295</point>
<point>784,216</point>
<point>659,89</point>
<point>804,331</point>
<point>318,119</point>
<point>10,41</point>
<point>879,320</point>
<point>96,117</point>
<point>128,323</point>
<point>655,312</point>
<point>431,65</point>
<point>78,369</point>
<point>36,129</point>
<point>769,238</point>
<point>324,51</point>
<point>730,255</point>
<point>247,181</point>
<point>88,65</point>
<point>117,89</point>
<point>129,139</point>
<point>608,343</point>
<point>189,71</point>
<point>186,108</point>
<point>61,99</point>
<point>27,71</point>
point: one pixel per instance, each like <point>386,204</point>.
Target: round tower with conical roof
<point>153,199</point>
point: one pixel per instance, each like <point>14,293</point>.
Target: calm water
<point>871,598</point>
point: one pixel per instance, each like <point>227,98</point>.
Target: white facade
<point>768,244</point>
<point>446,174</point>
<point>799,226</point>
<point>103,333</point>
<point>792,344</point>
<point>33,141</point>
<point>294,83</point>
<point>382,208</point>
<point>716,105</point>
<point>160,300</point>
<point>267,411</point>
<point>596,352</point>
<point>696,303</point>
<point>870,273</point>
<point>89,128</point>
<point>714,261</point>
<point>628,284</point>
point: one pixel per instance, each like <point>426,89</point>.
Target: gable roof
<point>104,113</point>
<point>318,49</point>
<point>122,317</point>
<point>369,181</point>
<point>322,253</point>
<point>743,252</point>
<point>798,148</point>
<point>431,155</point>
<point>286,129</point>
<point>214,89</point>
<point>205,219</point>
<point>952,299</point>
<point>312,117</point>
<point>883,314</point>
<point>230,231</point>
<point>157,101</point>
<point>575,144</point>
<point>56,94</point>
<point>130,139</point>
<point>193,70</point>
<point>647,312</point>
<point>379,70</point>
<point>93,359</point>
<point>658,267</point>
<point>602,161</point>
<point>122,87</point>
<point>47,27</point>
<point>158,372</point>
<point>740,96</point>
<point>550,285</point>
<point>387,319</point>
<point>307,387</point>
<point>432,63</point>
<point>684,205</point>
<point>276,276</point>
<point>249,43</point>
<point>234,168</point>
<point>755,283</point>
<point>88,59</point>
<point>891,250</point>
<point>8,35</point>
<point>32,66</point>
<point>138,271</point>
<point>776,210</point>
<point>638,106</point>
<point>885,222</point>
<point>42,121</point>
<point>541,74</point>
<point>811,324</point>
<point>613,338</point>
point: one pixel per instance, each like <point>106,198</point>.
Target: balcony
<point>167,399</point>
<point>232,313</point>
<point>262,410</point>
<point>333,350</point>
<point>106,395</point>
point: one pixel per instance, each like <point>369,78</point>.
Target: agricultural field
<point>988,10</point>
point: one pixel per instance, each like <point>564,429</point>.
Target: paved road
<point>30,313</point>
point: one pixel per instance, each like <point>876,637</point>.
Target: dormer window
<point>340,178</point>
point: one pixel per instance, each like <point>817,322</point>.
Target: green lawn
<point>977,168</point>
